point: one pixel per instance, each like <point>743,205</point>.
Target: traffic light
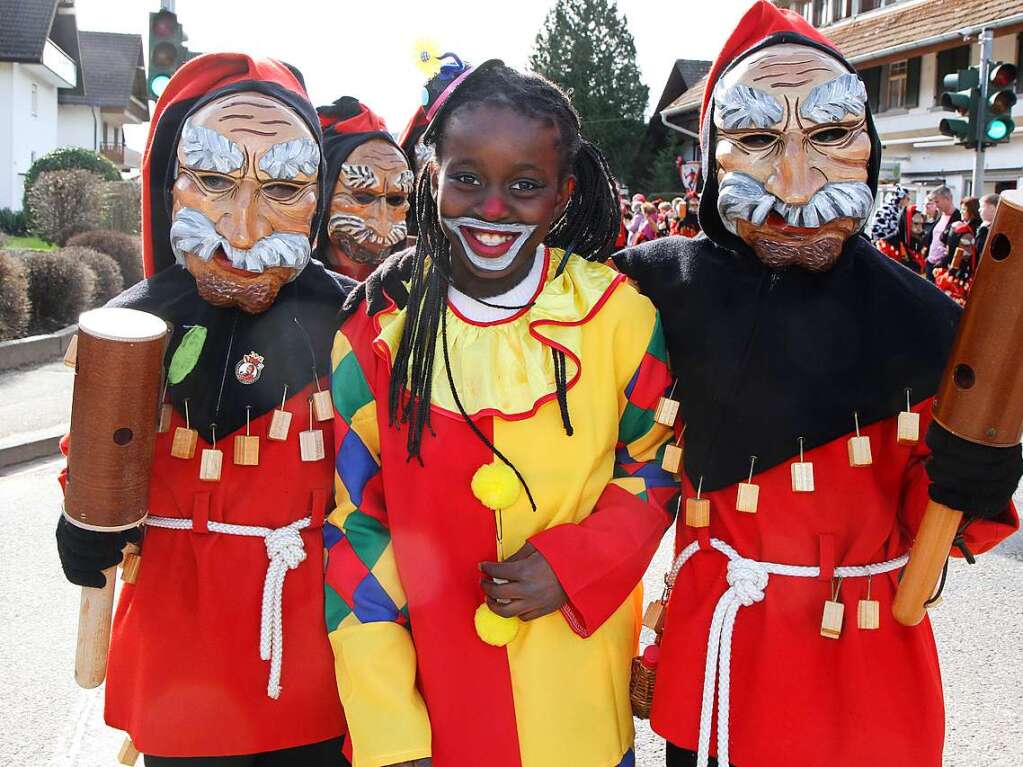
<point>997,123</point>
<point>962,95</point>
<point>167,50</point>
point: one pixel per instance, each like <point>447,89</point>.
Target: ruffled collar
<point>505,368</point>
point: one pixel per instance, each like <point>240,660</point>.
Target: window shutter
<point>872,81</point>
<point>913,83</point>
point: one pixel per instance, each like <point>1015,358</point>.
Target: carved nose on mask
<point>243,226</point>
<point>794,181</point>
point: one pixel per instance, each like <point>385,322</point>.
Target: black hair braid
<point>588,227</point>
<point>427,301</point>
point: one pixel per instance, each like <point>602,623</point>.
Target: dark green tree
<point>585,47</point>
<point>663,179</point>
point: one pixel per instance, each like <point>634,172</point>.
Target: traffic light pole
<point>986,45</point>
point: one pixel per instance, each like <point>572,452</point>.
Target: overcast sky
<point>365,49</point>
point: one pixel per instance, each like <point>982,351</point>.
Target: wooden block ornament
<point>667,408</point>
<point>831,621</point>
<point>323,406</point>
<point>163,426</point>
<point>310,442</point>
<point>246,446</point>
<point>834,611</point>
<point>859,447</point>
<point>128,754</point>
<point>280,422</point>
<point>908,425</point>
<point>802,473</point>
<point>185,439</point>
<point>71,353</point>
<point>212,461</point>
<point>748,496</point>
<point>698,509</point>
<point>653,617</point>
<point>868,614</point>
<point>130,567</point>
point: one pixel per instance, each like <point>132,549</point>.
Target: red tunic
<point>185,677</point>
<point>797,698</point>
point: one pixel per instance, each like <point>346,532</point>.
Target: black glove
<point>977,480</point>
<point>85,554</point>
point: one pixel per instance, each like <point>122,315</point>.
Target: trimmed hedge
<point>15,311</point>
<point>59,289</point>
<point>108,275</point>
<point>13,222</point>
<point>67,158</point>
<point>125,249</point>
<point>64,203</point>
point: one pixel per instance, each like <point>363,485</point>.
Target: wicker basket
<point>641,688</point>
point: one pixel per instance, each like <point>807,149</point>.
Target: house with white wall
<point>62,87</point>
<point>903,49</point>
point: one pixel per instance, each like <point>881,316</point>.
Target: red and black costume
<point>185,676</point>
<point>902,245</point>
<point>768,360</point>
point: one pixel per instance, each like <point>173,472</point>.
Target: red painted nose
<point>494,208</point>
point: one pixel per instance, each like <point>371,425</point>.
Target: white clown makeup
<point>489,246</point>
<point>792,151</point>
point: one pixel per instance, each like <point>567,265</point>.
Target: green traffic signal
<point>999,128</point>
<point>167,51</point>
<point>158,84</point>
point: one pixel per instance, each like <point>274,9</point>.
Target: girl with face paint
<point>496,390</point>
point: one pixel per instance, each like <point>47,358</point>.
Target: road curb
<point>35,350</point>
<point>28,447</point>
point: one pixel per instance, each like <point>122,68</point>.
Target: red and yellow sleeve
<point>600,560</point>
<point>366,608</point>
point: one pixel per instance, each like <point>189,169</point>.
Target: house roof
<point>110,64</point>
<point>24,27</point>
<point>684,73</point>
<point>880,31</point>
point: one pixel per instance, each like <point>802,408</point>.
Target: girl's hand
<point>524,585</point>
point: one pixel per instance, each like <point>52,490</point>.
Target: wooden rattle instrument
<point>114,414</point>
<point>980,397</point>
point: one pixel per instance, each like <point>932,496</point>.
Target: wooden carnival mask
<point>244,199</point>
<point>792,153</point>
<point>369,205</point>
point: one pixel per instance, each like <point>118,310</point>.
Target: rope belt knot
<point>285,551</point>
<point>747,581</point>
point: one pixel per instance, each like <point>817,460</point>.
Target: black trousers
<point>680,757</point>
<point>325,754</point>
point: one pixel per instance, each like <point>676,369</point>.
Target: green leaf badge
<point>187,354</point>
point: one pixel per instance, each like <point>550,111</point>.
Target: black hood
<point>710,221</point>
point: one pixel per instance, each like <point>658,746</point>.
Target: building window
<point>829,11</point>
<point>1019,61</point>
<point>950,61</point>
<point>872,80</point>
<point>35,100</point>
<point>896,90</point>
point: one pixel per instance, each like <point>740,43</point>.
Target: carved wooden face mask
<point>244,199</point>
<point>792,153</point>
<point>370,202</point>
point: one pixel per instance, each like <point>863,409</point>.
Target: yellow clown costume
<point>421,670</point>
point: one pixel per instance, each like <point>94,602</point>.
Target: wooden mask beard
<point>792,152</point>
<point>244,199</point>
<point>369,205</point>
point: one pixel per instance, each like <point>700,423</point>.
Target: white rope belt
<point>285,551</point>
<point>747,580</point>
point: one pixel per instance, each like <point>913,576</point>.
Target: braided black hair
<point>588,227</point>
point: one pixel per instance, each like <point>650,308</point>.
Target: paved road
<point>49,722</point>
<point>35,399</point>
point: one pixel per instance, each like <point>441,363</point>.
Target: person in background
<point>937,250</point>
<point>964,232</point>
<point>637,219</point>
<point>886,223</point>
<point>689,223</point>
<point>906,245</point>
<point>644,224</point>
<point>988,205</point>
<point>665,216</point>
<point>930,217</point>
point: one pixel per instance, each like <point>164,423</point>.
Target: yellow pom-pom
<point>496,486</point>
<point>494,629</point>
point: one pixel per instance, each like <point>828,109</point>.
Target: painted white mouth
<point>493,235</point>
